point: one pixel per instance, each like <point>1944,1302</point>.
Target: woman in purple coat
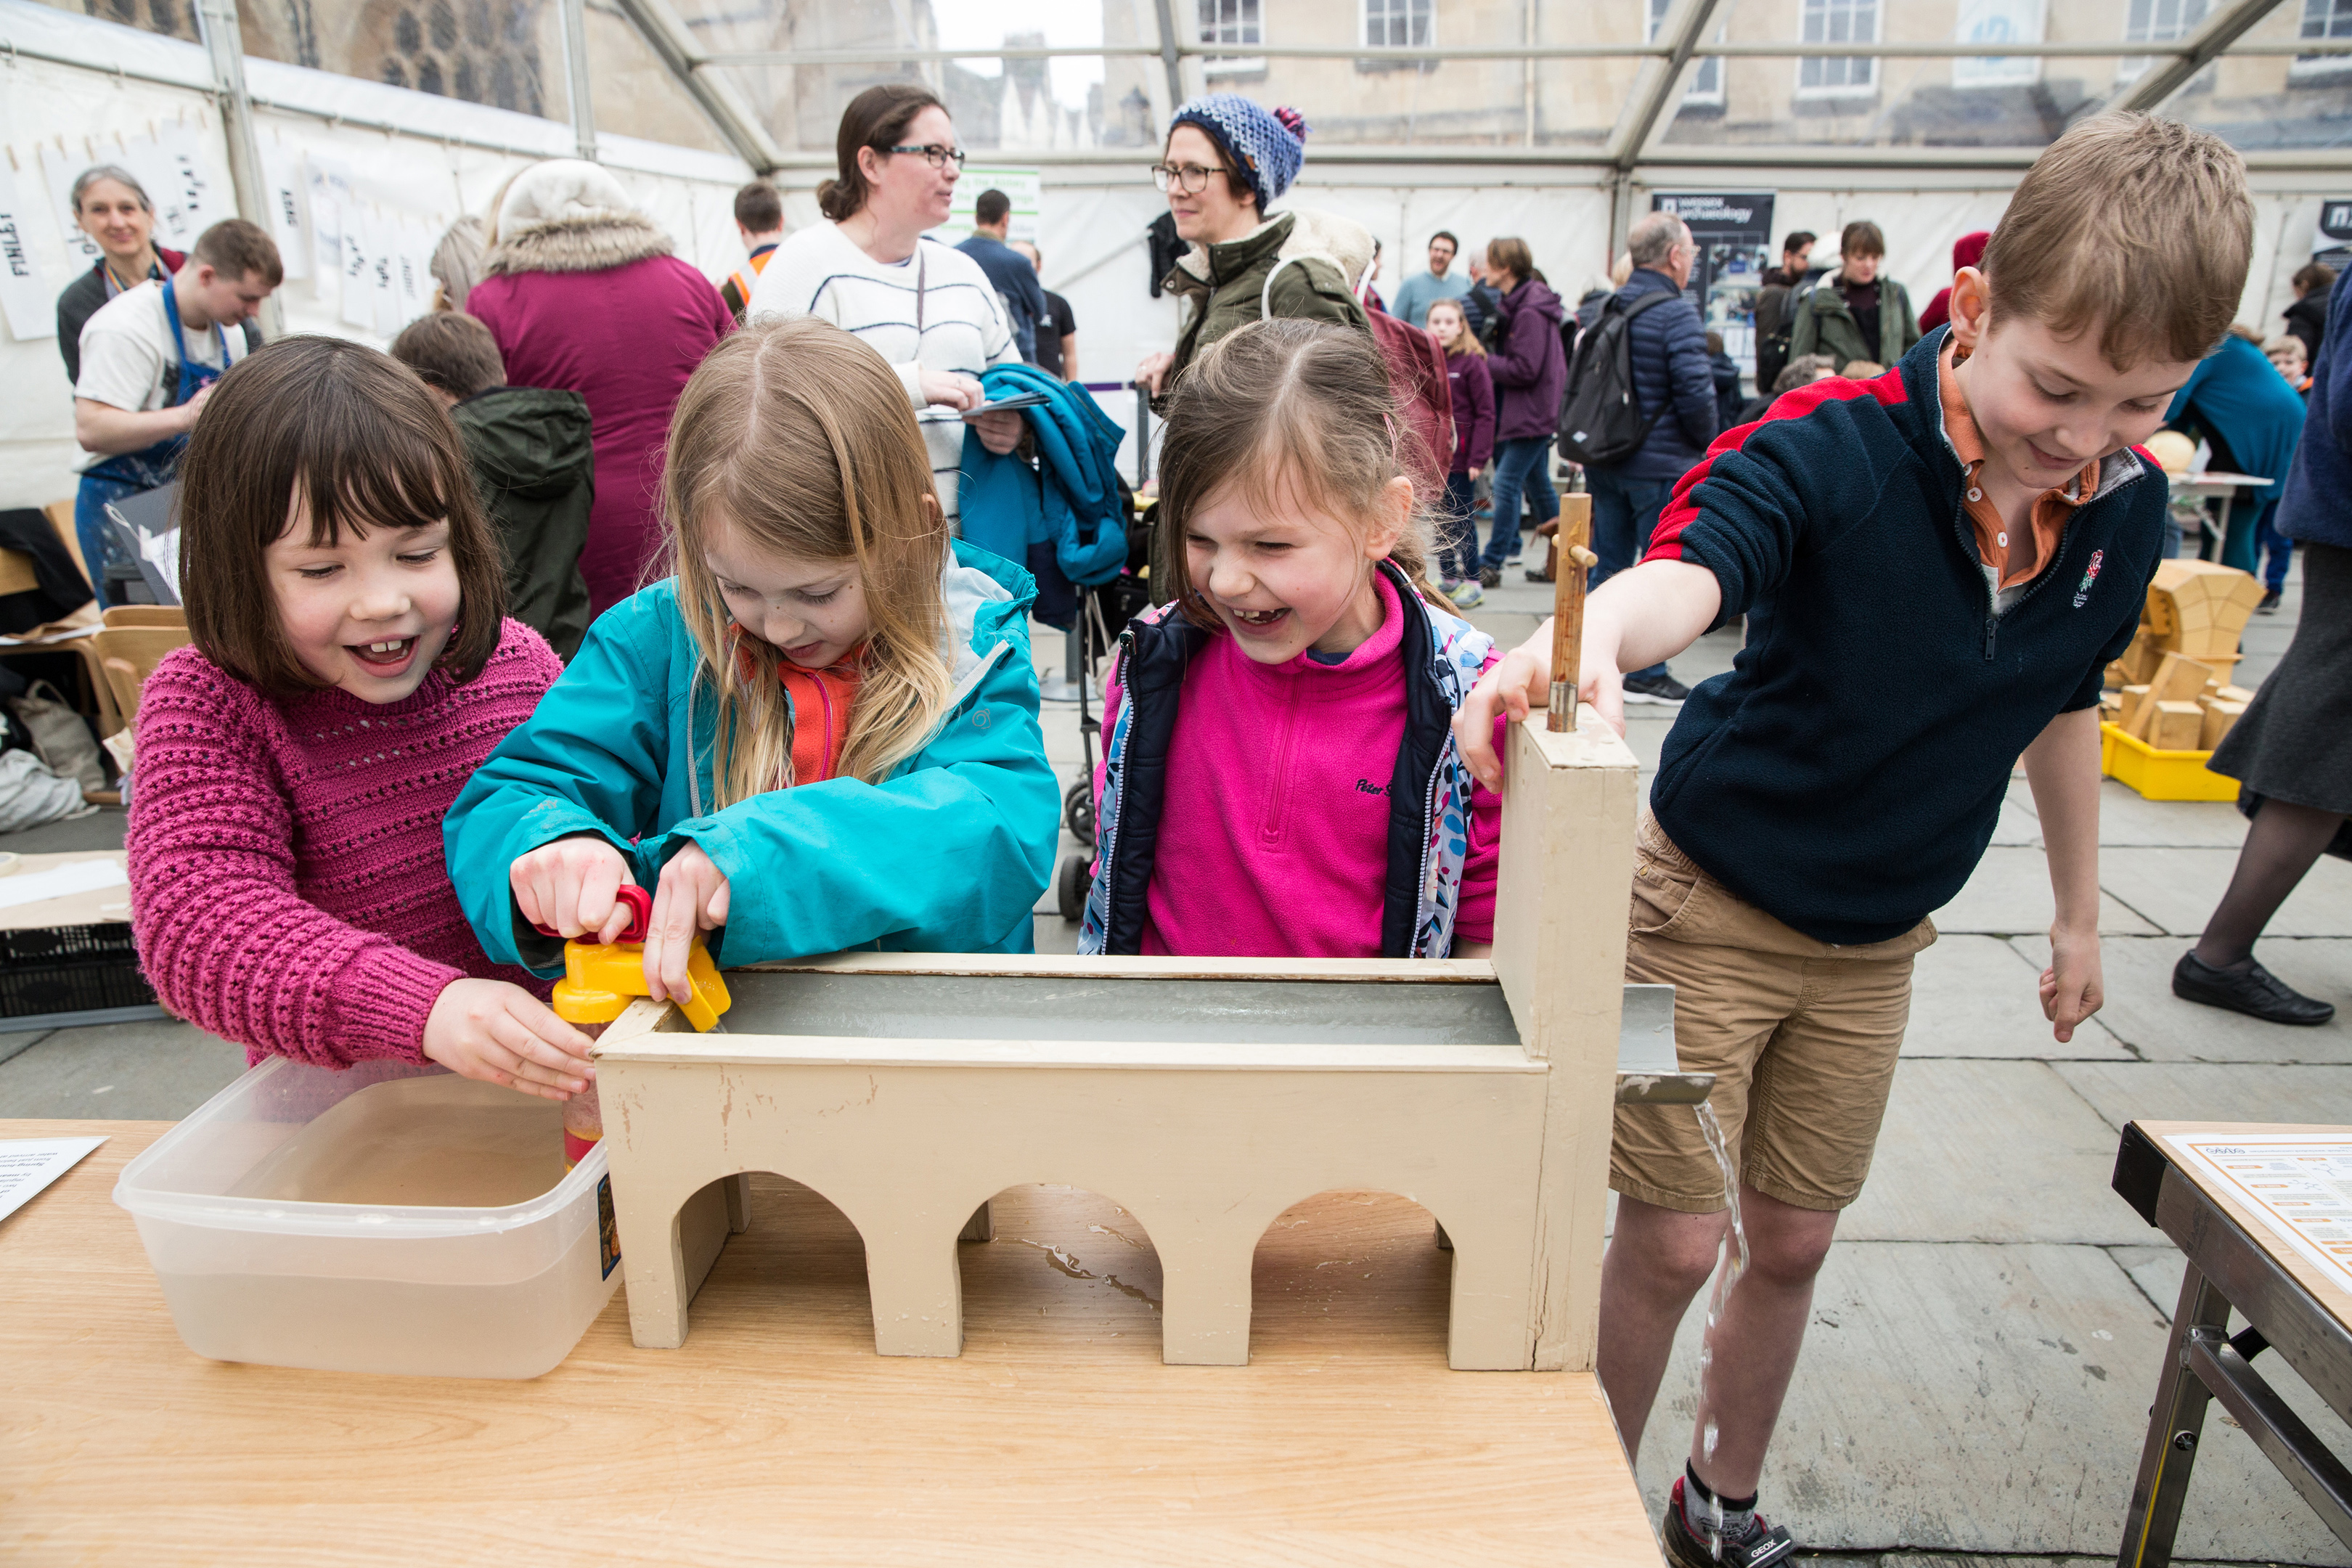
<point>1529,370</point>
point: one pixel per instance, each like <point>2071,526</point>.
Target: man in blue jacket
<point>1674,384</point>
<point>1015,280</point>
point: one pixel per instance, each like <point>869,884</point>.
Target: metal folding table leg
<point>2176,1424</point>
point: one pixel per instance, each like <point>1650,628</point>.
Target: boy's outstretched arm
<point>1630,622</point>
<point>2062,767</point>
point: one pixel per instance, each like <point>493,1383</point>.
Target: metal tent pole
<point>575,19</point>
<point>225,44</point>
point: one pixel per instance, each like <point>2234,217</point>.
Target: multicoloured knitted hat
<point>1266,145</point>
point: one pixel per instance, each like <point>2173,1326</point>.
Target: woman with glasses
<point>926,308</point>
<point>1226,161</point>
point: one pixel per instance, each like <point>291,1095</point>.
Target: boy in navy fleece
<point>1936,565</point>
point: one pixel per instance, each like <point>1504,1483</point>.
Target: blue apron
<point>149,468</point>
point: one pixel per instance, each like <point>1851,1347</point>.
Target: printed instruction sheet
<point>2299,1185</point>
<point>28,1164</point>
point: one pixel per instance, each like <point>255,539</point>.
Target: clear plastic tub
<point>455,1245</point>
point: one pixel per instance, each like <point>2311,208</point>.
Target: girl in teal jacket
<point>830,703</point>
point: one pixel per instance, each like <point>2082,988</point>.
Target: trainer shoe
<point>2254,991</point>
<point>1490,576</point>
<point>1763,1545</point>
<point>1447,584</point>
<point>1467,595</point>
<point>2268,607</point>
<point>1663,690</point>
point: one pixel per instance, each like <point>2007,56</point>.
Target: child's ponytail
<point>1289,407</point>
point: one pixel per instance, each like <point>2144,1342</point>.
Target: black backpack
<point>1599,418</point>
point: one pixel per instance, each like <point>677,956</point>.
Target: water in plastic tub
<point>387,1218</point>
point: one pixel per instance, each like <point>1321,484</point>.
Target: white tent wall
<point>411,158</point>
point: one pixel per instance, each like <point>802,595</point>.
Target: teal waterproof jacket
<point>946,855</point>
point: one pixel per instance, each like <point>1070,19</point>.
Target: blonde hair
<point>2139,227</point>
<point>1252,411</point>
<point>1468,343</point>
<point>800,437</point>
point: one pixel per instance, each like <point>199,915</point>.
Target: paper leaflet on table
<point>27,299</point>
<point>2298,1185</point>
<point>61,881</point>
<point>29,1164</point>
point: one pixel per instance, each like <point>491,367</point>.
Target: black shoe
<point>2254,991</point>
<point>1490,576</point>
<point>2268,607</point>
<point>1661,690</point>
<point>1762,1546</point>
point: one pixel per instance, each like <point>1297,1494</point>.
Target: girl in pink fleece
<point>1281,777</point>
<point>350,669</point>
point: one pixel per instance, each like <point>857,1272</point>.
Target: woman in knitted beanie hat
<point>1226,161</point>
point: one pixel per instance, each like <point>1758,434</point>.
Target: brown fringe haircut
<point>1291,411</point>
<point>358,438</point>
<point>2136,225</point>
<point>800,437</point>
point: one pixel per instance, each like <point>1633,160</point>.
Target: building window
<point>2324,19</point>
<point>1400,24</point>
<point>2159,22</point>
<point>1705,80</point>
<point>1235,24</point>
<point>1838,22</point>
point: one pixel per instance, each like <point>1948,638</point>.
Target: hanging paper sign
<point>415,283</point>
<point>330,185</point>
<point>186,158</point>
<point>24,296</point>
<point>359,278</point>
<point>59,169</point>
<point>281,174</point>
<point>145,159</point>
<point>382,231</point>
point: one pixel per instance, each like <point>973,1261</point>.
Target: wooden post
<point>1573,557</point>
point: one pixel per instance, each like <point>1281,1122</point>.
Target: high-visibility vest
<point>749,273</point>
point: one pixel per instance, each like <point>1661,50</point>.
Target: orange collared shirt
<point>2014,561</point>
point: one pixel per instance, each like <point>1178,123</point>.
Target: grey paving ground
<point>1986,1336</point>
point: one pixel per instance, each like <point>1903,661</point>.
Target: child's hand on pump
<point>502,1034</point>
<point>575,885</point>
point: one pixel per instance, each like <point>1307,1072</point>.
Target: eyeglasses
<point>939,156</point>
<point>1190,178</point>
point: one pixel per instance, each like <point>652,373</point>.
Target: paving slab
<point>157,1070</point>
<point>2126,818</point>
<point>102,829</point>
<point>2010,893</point>
<point>2177,887</point>
<point>1991,1151</point>
<point>1965,1398</point>
<point>2205,1091</point>
<point>2017,823</point>
<point>1976,996</point>
<point>2142,1011</point>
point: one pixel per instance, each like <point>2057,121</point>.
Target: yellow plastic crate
<point>2160,775</point>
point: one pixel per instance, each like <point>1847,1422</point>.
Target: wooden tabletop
<point>2322,1286</point>
<point>777,1435</point>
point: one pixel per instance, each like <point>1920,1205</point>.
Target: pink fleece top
<point>288,889</point>
<point>1273,829</point>
<point>625,339</point>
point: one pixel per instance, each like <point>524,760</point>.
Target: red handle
<point>640,913</point>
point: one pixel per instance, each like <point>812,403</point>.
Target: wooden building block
<point>2140,659</point>
<point>1203,1096</point>
<point>2176,726</point>
<point>2139,707</point>
<point>2115,679</point>
<point>2201,607</point>
<point>2219,717</point>
<point>2179,679</point>
<point>2234,694</point>
<point>2111,707</point>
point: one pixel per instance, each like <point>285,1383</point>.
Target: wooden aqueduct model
<point>1204,1097</point>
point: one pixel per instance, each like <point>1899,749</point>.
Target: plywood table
<point>776,1435</point>
<point>2291,1306</point>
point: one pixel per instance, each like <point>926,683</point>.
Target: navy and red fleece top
<point>1845,776</point>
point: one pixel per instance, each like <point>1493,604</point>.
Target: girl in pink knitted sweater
<point>1281,777</point>
<point>350,669</point>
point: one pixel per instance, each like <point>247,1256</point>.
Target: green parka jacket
<point>536,470</point>
<point>1313,258</point>
<point>1822,325</point>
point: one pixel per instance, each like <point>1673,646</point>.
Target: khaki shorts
<point>1800,1035</point>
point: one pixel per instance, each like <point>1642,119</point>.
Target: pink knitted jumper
<point>287,883</point>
